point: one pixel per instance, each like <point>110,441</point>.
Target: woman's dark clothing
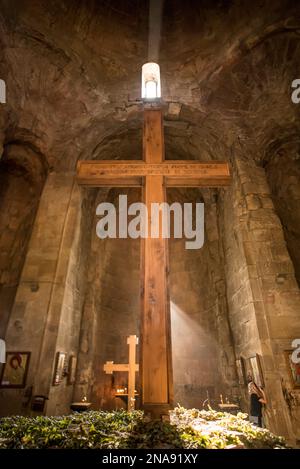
<point>256,408</point>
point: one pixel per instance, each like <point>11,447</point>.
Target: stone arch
<point>22,176</point>
<point>282,166</point>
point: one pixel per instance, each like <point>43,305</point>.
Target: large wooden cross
<point>131,368</point>
<point>154,174</point>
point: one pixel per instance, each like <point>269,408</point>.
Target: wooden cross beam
<point>154,174</point>
<point>131,368</point>
<point>177,173</point>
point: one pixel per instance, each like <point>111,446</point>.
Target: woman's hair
<point>249,378</point>
<point>252,383</point>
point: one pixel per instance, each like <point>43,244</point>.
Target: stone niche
<point>111,309</point>
<point>283,173</point>
<point>22,176</point>
<point>203,359</point>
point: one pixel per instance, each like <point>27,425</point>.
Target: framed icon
<point>60,368</point>
<point>256,370</point>
<point>293,368</point>
<point>14,371</point>
<point>72,369</point>
<point>241,371</point>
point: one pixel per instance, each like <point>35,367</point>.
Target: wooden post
<point>132,341</point>
<point>156,365</point>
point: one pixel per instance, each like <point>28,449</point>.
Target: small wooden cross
<point>131,368</point>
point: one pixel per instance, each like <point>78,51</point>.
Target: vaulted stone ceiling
<point>73,70</point>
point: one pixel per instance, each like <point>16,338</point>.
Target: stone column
<point>263,295</point>
<point>46,314</point>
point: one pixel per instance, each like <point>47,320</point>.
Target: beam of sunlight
<point>195,359</point>
<point>155,20</point>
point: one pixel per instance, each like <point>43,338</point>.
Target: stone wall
<point>45,315</point>
<point>203,357</point>
<point>111,310</point>
<point>21,180</point>
<point>72,276</point>
<point>283,173</point>
<point>262,291</point>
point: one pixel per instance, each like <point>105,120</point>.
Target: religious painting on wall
<point>294,369</point>
<point>14,371</point>
<point>256,370</point>
<point>72,369</point>
<point>60,368</point>
<point>241,371</point>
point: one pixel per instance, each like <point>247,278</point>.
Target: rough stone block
<point>253,202</point>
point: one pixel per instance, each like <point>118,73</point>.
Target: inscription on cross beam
<point>154,175</point>
<point>131,368</point>
<point>187,174</point>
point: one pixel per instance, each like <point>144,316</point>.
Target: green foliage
<point>188,428</point>
<point>226,429</point>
